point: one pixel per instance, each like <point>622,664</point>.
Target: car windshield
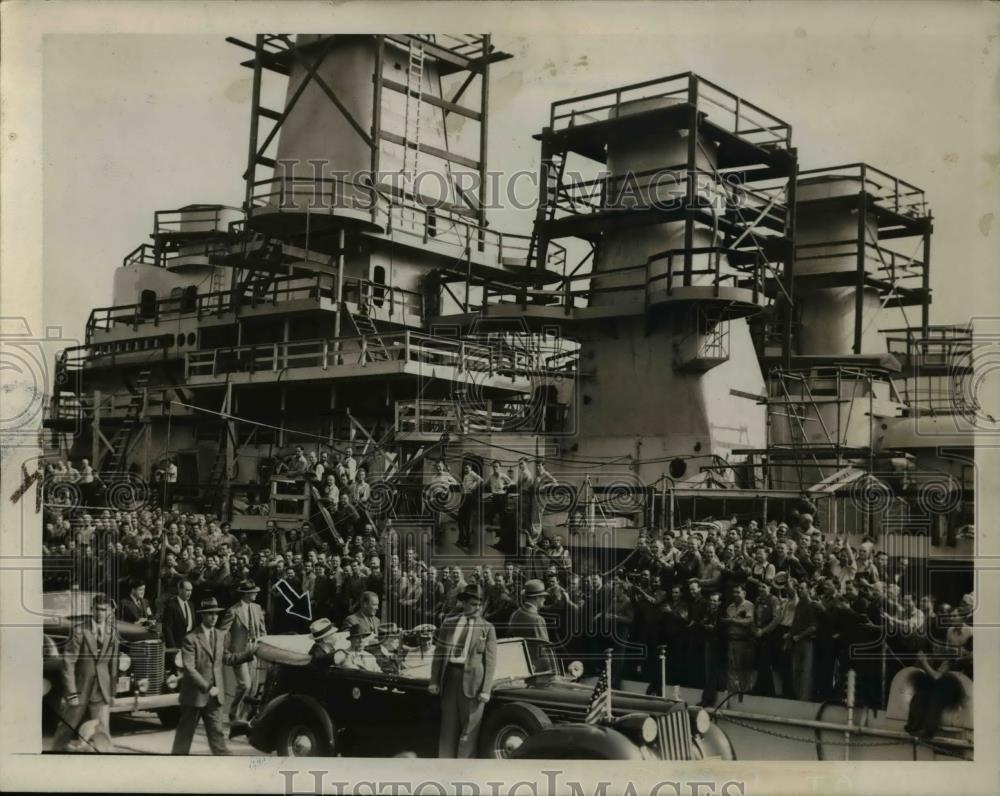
<point>66,604</point>
<point>517,659</point>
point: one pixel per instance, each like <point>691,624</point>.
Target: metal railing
<point>892,265</point>
<point>938,345</point>
<point>722,107</point>
<point>888,191</point>
<point>424,220</point>
<point>364,351</point>
<point>385,302</point>
<point>438,417</point>
<point>195,219</point>
<point>580,290</point>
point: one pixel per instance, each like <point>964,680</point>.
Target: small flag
<point>600,700</point>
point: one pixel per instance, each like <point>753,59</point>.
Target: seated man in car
<point>386,652</point>
<point>323,651</point>
<point>357,657</point>
<point>416,660</point>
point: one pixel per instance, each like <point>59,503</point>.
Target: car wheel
<point>301,738</point>
<point>169,717</point>
<point>508,727</point>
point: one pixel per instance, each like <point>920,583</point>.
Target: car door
<point>360,706</point>
<point>414,716</point>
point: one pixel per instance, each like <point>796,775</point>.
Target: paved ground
<point>142,733</point>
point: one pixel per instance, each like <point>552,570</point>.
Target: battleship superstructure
<point>718,347</point>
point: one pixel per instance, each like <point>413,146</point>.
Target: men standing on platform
<point>204,653</point>
<point>462,673</point>
<point>526,621</point>
<point>245,624</point>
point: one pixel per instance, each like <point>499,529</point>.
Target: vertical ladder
<point>554,168</point>
<point>411,120</point>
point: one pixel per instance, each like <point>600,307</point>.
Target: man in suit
<point>244,622</point>
<point>323,652</point>
<point>204,653</point>
<point>526,621</point>
<point>178,615</point>
<point>386,652</point>
<point>90,672</point>
<point>136,608</point>
<point>366,617</point>
<point>465,656</point>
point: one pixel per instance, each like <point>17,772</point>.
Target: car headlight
<point>702,722</point>
<point>640,728</point>
<point>172,680</point>
<point>143,685</point>
<point>124,662</point>
<point>649,730</point>
<point>575,670</point>
<point>179,660</point>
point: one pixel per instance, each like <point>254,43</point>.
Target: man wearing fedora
<point>204,653</point>
<point>90,669</point>
<point>526,621</point>
<point>465,656</point>
<point>244,622</point>
<point>323,650</point>
<point>357,656</point>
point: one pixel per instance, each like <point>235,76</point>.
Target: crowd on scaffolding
<point>742,607</point>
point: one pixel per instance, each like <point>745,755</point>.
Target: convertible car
<point>307,710</point>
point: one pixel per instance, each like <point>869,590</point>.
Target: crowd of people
<point>763,607</point>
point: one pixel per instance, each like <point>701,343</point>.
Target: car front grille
<point>147,662</point>
<point>675,735</point>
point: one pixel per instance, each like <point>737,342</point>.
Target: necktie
<point>100,638</point>
<point>187,615</point>
<point>460,637</point>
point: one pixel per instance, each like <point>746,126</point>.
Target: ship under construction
<point>694,329</point>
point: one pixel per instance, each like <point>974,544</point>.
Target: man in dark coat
<point>178,615</point>
<point>526,621</point>
<point>135,608</point>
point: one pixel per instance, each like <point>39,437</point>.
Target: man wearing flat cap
<point>465,656</point>
<point>244,622</point>
<point>204,653</point>
<point>526,621</point>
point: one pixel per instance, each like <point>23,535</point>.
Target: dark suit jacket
<point>129,611</point>
<point>203,666</point>
<point>88,670</point>
<point>481,661</point>
<point>528,624</point>
<point>174,624</point>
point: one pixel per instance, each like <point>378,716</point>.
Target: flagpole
<point>662,650</point>
<point>607,674</point>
